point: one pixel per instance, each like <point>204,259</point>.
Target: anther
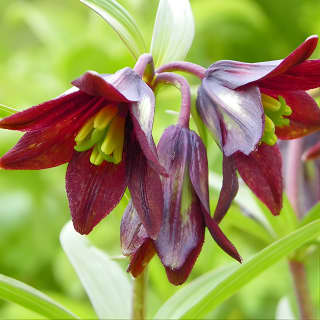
<point>105,116</point>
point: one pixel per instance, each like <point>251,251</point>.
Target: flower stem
<point>293,174</point>
<point>189,67</point>
<point>139,297</point>
<point>145,67</point>
<point>182,84</point>
<point>299,276</point>
<point>297,268</point>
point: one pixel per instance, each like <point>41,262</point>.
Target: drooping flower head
<point>102,127</point>
<point>186,210</point>
<point>247,106</point>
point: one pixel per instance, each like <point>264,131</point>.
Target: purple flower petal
<point>93,191</point>
<point>235,74</point>
<point>135,241</point>
<point>229,189</point>
<point>132,231</point>
<point>142,114</point>
<point>123,86</point>
<point>198,169</point>
<point>48,113</point>
<point>261,171</point>
<point>241,113</point>
<point>182,232</point>
<point>145,188</point>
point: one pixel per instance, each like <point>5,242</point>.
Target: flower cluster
<point>102,128</point>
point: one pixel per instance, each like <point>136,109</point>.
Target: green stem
<point>139,297</point>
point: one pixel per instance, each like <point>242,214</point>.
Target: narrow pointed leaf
<point>121,22</point>
<point>311,215</point>
<point>173,31</point>
<point>6,111</point>
<point>208,292</point>
<point>107,286</point>
<point>32,299</point>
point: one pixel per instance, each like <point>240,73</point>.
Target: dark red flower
<point>102,127</point>
<point>186,210</point>
<point>247,106</point>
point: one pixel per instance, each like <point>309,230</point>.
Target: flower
<point>247,106</point>
<point>102,127</point>
<point>186,210</point>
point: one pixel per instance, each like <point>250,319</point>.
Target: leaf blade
<point>173,31</point>
<point>6,111</point>
<point>236,279</point>
<point>18,292</point>
<point>107,286</point>
<point>121,22</point>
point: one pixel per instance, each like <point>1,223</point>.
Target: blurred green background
<point>44,45</point>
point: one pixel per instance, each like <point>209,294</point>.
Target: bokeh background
<point>45,44</point>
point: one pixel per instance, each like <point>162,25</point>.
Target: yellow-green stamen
<point>275,112</point>
<point>104,134</point>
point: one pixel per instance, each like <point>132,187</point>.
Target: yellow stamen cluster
<point>104,133</point>
<point>275,113</point>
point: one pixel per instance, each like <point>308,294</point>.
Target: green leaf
<point>32,299</point>
<point>173,31</point>
<point>311,215</point>
<point>211,289</point>
<point>285,222</point>
<point>106,284</point>
<point>6,111</point>
<point>121,22</point>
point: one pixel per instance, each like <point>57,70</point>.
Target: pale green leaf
<point>311,215</point>
<point>32,299</point>
<point>285,222</point>
<point>6,111</point>
<point>106,284</point>
<point>207,297</point>
<point>121,22</point>
<point>173,31</point>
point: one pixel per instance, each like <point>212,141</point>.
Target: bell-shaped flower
<point>102,127</point>
<point>186,210</point>
<point>247,106</point>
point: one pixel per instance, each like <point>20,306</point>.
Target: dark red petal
<point>141,258</point>
<point>299,77</point>
<point>93,191</point>
<point>182,231</point>
<point>51,146</point>
<point>305,117</point>
<point>47,113</point>
<point>223,242</point>
<point>261,171</point>
<point>132,231</point>
<point>241,114</point>
<point>145,188</point>
<point>229,189</point>
<point>142,113</point>
<point>235,74</point>
<point>312,153</point>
